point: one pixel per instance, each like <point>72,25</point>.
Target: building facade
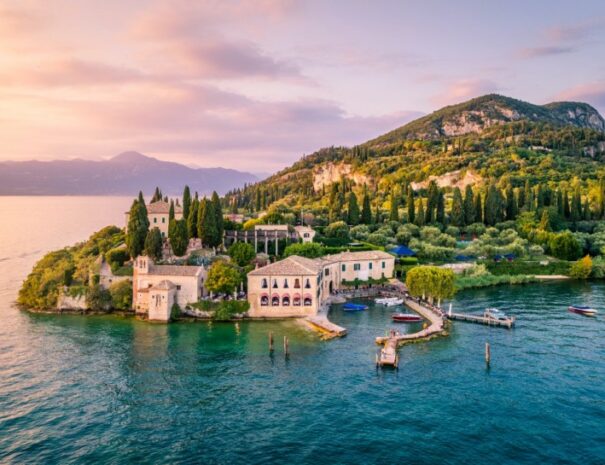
<point>156,288</point>
<point>298,286</point>
<point>158,214</point>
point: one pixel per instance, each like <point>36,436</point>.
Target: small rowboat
<point>354,307</point>
<point>582,310</point>
<point>406,318</point>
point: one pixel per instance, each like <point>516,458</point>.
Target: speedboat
<point>406,318</point>
<point>350,307</point>
<point>582,310</point>
<point>495,314</point>
<point>389,301</point>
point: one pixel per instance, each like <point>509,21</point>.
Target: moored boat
<point>582,310</point>
<point>406,318</point>
<point>351,307</point>
<point>394,302</point>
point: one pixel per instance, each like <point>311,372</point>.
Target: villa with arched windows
<point>299,286</point>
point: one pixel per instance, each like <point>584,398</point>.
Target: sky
<point>254,85</point>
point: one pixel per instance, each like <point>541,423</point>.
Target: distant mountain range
<point>124,174</point>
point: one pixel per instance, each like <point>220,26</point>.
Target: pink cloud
<point>464,89</point>
<point>592,93</point>
<point>536,52</point>
<point>68,72</point>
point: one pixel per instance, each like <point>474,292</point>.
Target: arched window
<point>297,283</point>
<point>264,300</point>
<point>307,301</point>
<point>285,301</point>
<point>275,300</point>
<point>296,300</point>
<point>275,284</point>
<point>307,284</point>
<point>264,283</point>
<point>286,284</point>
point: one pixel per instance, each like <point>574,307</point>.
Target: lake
<point>107,389</point>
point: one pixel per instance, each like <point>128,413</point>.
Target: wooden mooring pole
<point>488,353</point>
<point>286,348</point>
<point>270,342</point>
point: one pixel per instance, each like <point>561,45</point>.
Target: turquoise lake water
<point>107,389</point>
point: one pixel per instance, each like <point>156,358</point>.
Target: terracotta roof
<point>293,265</point>
<point>164,285</point>
<point>162,207</point>
<point>271,227</point>
<point>174,270</point>
<point>363,255</point>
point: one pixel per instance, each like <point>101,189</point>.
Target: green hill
<point>493,138</point>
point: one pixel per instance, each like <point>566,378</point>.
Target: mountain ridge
<point>123,174</point>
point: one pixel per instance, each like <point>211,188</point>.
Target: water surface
<point>106,389</point>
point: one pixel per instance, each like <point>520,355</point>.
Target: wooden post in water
<point>270,342</point>
<point>286,352</point>
<point>488,353</point>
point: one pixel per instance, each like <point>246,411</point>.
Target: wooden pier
<point>483,320</point>
<point>388,354</point>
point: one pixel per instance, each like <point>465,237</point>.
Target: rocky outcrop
<point>329,173</point>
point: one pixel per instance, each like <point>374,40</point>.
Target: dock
<point>388,355</point>
<point>483,320</point>
<point>325,327</point>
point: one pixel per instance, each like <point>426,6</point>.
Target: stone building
<point>156,288</point>
<point>158,214</point>
<point>298,286</point>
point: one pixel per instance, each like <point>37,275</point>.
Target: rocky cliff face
<point>475,115</point>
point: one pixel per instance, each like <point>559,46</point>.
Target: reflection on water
<point>107,389</point>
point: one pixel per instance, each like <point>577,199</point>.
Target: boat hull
<point>583,311</point>
<point>406,318</point>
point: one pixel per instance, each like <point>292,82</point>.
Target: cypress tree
<point>394,214</point>
<point>431,202</point>
<point>157,195</point>
<point>186,202</point>
<point>353,210</point>
<point>378,215</point>
<point>366,210</point>
<point>560,205</point>
<point>209,232</point>
<point>511,204</point>
<point>576,206</point>
<point>586,213</point>
<point>601,200</point>
<point>200,217</point>
<point>141,200</point>
<point>440,215</point>
<point>478,208</point>
<point>545,221</point>
<point>171,212</point>
<point>566,207</point>
<point>153,244</point>
<point>411,206</point>
<point>457,213</point>
<point>420,217</point>
<point>469,206</point>
<point>138,227</point>
<point>492,206</point>
<point>258,204</point>
<point>177,235</point>
<point>219,223</point>
<point>192,218</point>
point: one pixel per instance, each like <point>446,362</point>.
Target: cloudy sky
<point>254,85</point>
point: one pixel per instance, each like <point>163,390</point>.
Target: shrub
<point>309,250</point>
<point>229,308</point>
<point>121,295</point>
<point>378,239</point>
<point>116,257</point>
<point>360,232</point>
<point>241,253</point>
<point>337,230</point>
<point>565,246</point>
<point>98,298</point>
<point>582,268</point>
